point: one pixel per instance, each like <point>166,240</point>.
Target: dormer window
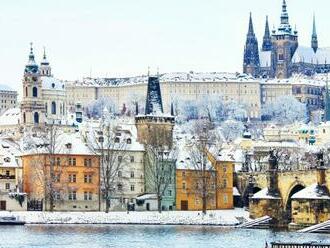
<point>53,85</point>
<point>7,160</point>
<point>68,145</point>
<point>129,141</point>
<point>117,140</point>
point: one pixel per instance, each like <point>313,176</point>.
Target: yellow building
<point>75,181</point>
<point>218,183</point>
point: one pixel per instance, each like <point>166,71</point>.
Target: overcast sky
<point>124,37</point>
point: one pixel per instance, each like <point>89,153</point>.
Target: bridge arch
<point>255,189</point>
<point>295,187</point>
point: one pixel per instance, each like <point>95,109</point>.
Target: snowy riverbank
<point>215,217</point>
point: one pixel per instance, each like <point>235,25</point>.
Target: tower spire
<point>251,62</point>
<point>31,55</point>
<point>251,31</point>
<point>314,36</point>
<point>267,42</point>
<point>284,15</point>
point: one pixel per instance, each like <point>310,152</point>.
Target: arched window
<point>53,108</point>
<point>36,118</point>
<point>24,118</point>
<point>35,92</point>
<point>26,91</point>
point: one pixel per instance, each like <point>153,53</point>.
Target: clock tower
<point>32,107</point>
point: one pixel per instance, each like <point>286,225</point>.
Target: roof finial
<point>44,53</point>
<point>314,36</point>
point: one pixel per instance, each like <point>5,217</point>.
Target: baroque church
<point>44,97</point>
<point>280,55</point>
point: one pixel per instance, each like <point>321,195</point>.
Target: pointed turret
<point>251,62</point>
<point>284,15</point>
<point>267,41</point>
<point>154,105</point>
<point>45,69</point>
<point>315,44</point>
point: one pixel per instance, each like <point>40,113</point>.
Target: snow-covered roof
<point>263,194</point>
<point>10,117</point>
<point>312,192</point>
<point>307,55</point>
<point>265,58</point>
<point>184,77</point>
<point>9,152</point>
<point>146,197</point>
<point>51,83</point>
<point>65,143</point>
<point>297,79</point>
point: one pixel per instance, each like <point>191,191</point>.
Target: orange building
<point>74,183</point>
<point>219,184</point>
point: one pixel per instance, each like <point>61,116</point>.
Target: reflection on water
<point>144,236</point>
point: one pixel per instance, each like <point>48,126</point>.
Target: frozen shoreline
<point>213,217</point>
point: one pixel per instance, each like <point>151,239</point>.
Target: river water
<point>144,236</point>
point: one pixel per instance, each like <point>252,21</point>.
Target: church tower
<point>251,62</point>
<point>284,43</point>
<point>267,41</point>
<point>314,37</point>
<point>154,127</point>
<point>32,107</point>
<point>45,69</point>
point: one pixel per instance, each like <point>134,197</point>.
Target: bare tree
<point>110,145</point>
<point>205,181</point>
<point>159,170</point>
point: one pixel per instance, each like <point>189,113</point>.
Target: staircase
<point>259,223</point>
<point>319,228</point>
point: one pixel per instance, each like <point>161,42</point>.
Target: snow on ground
<point>214,217</point>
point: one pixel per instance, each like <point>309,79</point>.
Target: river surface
<point>144,236</point>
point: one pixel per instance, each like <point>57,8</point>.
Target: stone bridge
<point>289,182</point>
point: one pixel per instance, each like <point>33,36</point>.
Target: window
<point>87,178</point>
<point>183,174</point>
<point>224,169</point>
<point>117,140</point>
<point>35,92</point>
<point>132,174</point>
<point>36,118</point>
<point>72,178</point>
<point>53,108</point>
<point>280,57</point>
<point>57,195</point>
<point>26,91</point>
<point>225,198</point>
<point>88,196</point>
<point>225,183</point>
<point>129,141</point>
<point>183,186</point>
<point>120,186</point>
<point>87,162</point>
<point>132,188</point>
<point>72,195</point>
<point>72,161</point>
<point>169,193</point>
<point>120,174</point>
<point>57,178</point>
<point>120,159</point>
<point>132,159</point>
<point>7,173</point>
<point>7,185</point>
<point>58,161</point>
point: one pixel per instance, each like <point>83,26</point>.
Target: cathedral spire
<point>314,36</point>
<point>31,55</point>
<point>251,31</point>
<point>267,42</point>
<point>251,62</point>
<point>284,15</point>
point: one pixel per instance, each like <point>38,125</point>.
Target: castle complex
<point>280,55</point>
